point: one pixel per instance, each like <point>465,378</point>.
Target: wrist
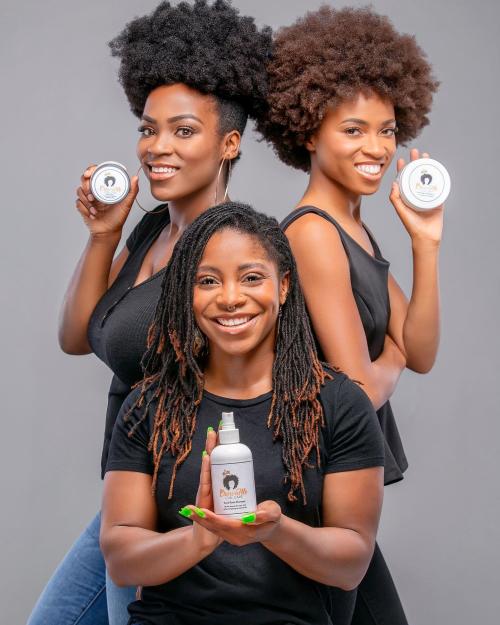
<point>278,533</point>
<point>108,239</point>
<point>425,246</point>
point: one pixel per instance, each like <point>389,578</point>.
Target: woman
<point>344,89</point>
<point>193,74</point>
<point>231,333</point>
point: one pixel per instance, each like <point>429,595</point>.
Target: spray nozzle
<point>227,432</point>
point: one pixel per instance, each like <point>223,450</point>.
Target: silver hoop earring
<point>136,201</point>
<point>229,167</point>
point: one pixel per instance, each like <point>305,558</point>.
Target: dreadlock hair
<point>173,368</point>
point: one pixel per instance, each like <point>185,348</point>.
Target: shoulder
<point>132,413</point>
<point>313,228</point>
<point>343,398</point>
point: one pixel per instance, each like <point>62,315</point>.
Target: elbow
<point>71,346</point>
<point>421,366</point>
<point>113,567</point>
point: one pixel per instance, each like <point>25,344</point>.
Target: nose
<point>374,146</point>
<point>161,143</point>
<point>230,296</point>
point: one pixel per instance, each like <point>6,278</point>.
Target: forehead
<point>230,248</point>
<point>363,106</point>
<point>179,99</point>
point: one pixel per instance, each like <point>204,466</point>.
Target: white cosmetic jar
<point>110,183</point>
<point>424,184</point>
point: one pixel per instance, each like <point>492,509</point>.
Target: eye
<point>206,281</point>
<point>389,132</point>
<point>353,131</point>
<point>146,131</point>
<point>253,277</point>
<point>185,131</point>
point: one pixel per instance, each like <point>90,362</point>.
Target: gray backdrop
<point>62,108</point>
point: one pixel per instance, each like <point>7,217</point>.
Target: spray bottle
<point>233,482</point>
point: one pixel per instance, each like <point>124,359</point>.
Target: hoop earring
<point>229,168</point>
<point>153,211</point>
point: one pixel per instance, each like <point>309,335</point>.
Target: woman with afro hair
<point>344,90</point>
<point>193,74</point>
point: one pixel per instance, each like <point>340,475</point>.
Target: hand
<point>103,219</point>
<point>266,521</point>
<point>205,540</point>
<point>422,226</point>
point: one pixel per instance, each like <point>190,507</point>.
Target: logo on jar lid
<point>110,183</point>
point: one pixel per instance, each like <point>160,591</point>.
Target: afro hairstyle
<point>208,47</point>
<point>330,56</point>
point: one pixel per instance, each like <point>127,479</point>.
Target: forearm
<point>140,557</point>
<point>421,326</point>
<point>88,283</point>
<point>330,555</point>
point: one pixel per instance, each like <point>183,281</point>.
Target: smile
<point>162,173</point>
<point>235,325</point>
<point>370,171</point>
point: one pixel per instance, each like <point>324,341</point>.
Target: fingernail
<point>249,518</point>
<point>220,423</point>
<point>90,197</point>
<point>204,453</point>
<point>187,512</point>
<point>210,429</point>
<point>200,513</point>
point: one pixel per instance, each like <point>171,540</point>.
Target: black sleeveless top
<point>369,281</point>
<point>118,327</point>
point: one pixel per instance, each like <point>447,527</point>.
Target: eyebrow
<point>176,118</point>
<point>242,267</point>
<point>364,122</point>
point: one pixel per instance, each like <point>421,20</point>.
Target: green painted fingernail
<point>220,423</point>
<point>248,518</point>
<point>204,453</point>
<point>210,429</point>
<point>200,513</point>
<point>187,512</point>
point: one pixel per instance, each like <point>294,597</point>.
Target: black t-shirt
<point>248,585</point>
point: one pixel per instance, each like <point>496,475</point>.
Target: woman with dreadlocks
<point>193,74</point>
<point>344,89</point>
<point>231,333</point>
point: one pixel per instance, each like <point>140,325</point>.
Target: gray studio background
<point>62,108</point>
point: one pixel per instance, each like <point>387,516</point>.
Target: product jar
<point>110,183</point>
<point>424,184</point>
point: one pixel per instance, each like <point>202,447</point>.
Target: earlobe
<point>310,144</point>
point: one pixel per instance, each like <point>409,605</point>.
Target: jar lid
<point>110,183</point>
<point>424,183</point>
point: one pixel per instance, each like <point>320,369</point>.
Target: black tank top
<point>369,282</point>
<point>118,327</point>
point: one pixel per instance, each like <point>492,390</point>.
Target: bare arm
<point>96,269</point>
<point>326,283</point>
<point>135,553</point>
<point>415,325</point>
<point>337,554</point>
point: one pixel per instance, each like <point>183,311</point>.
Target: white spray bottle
<point>233,482</point>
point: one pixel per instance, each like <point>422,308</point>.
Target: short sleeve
<point>129,452</point>
<point>354,438</point>
<point>143,229</point>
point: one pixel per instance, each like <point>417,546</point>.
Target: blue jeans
<point>80,592</point>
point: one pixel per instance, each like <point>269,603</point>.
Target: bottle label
<point>233,488</point>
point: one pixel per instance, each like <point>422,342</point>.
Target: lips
<point>236,324</point>
<point>161,171</point>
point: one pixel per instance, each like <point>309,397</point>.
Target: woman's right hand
<point>207,541</point>
<point>103,219</point>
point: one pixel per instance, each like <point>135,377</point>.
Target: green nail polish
<point>200,513</point>
<point>220,423</point>
<point>204,453</point>
<point>210,429</point>
<point>187,512</point>
<point>248,518</point>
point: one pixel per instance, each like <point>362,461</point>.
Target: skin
<point>180,127</point>
<point>354,133</point>
<point>236,278</point>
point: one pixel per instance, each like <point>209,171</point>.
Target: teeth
<point>163,170</point>
<point>237,321</point>
<point>369,169</point>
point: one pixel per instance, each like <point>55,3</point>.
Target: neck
<point>185,210</point>
<point>240,376</point>
<point>331,196</point>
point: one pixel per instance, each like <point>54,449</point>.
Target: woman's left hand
<point>254,528</point>
<point>422,226</point>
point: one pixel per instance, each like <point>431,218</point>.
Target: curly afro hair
<point>329,56</point>
<point>210,48</point>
